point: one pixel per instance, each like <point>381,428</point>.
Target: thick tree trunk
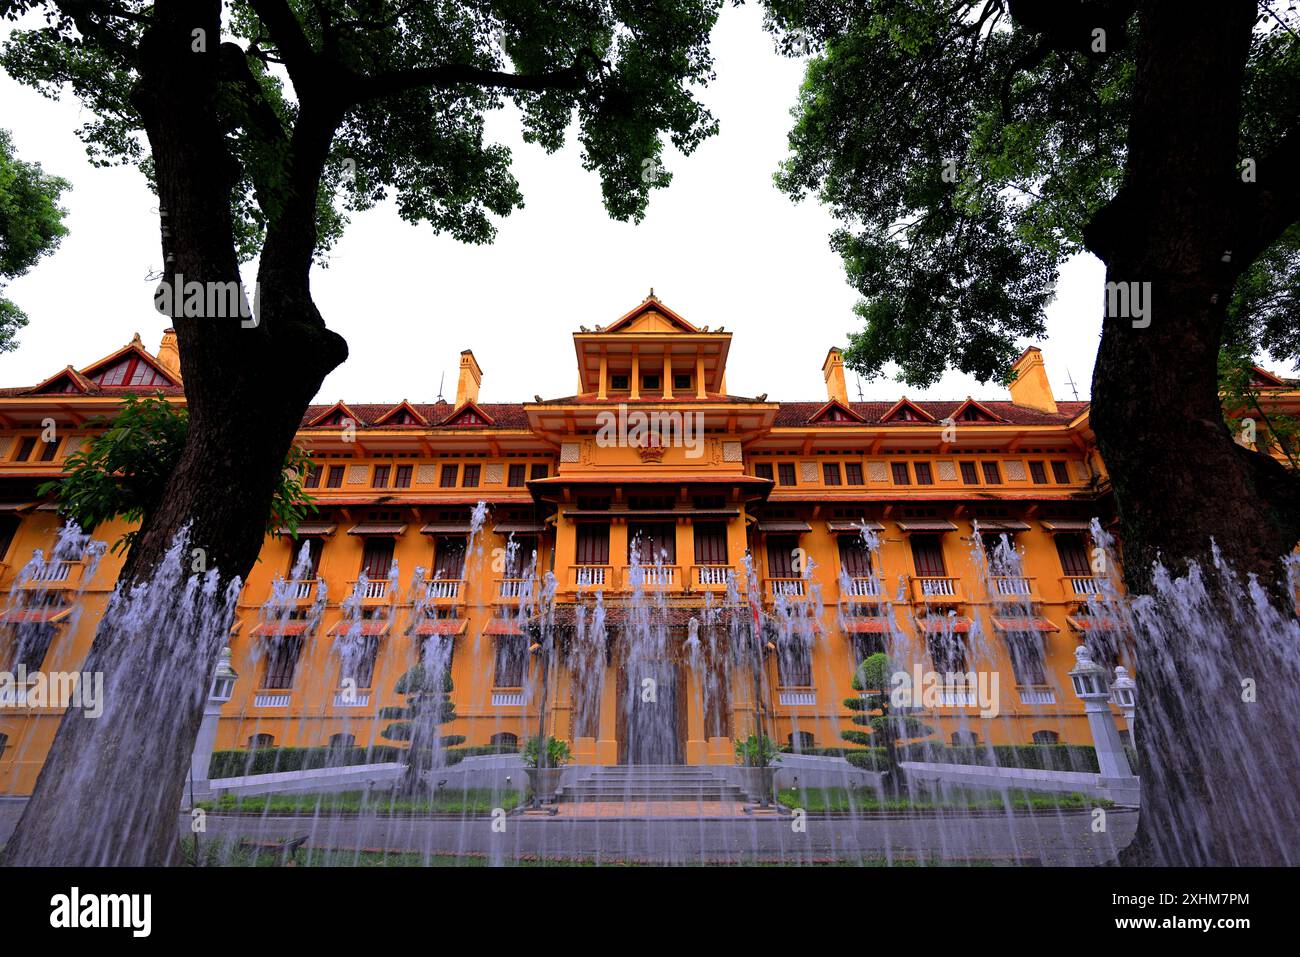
<point>1182,485</point>
<point>111,788</point>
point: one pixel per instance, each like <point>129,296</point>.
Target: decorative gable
<point>63,383</point>
<point>651,316</point>
<point>835,411</point>
<point>906,411</point>
<point>972,411</point>
<point>402,414</point>
<point>468,415</point>
<point>336,415</point>
<point>129,367</point>
<point>1263,379</point>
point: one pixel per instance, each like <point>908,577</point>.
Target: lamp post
<point>219,692</point>
<point>1124,694</point>
<point>1091,686</point>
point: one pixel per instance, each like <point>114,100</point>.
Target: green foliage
<point>428,705</point>
<point>123,471</point>
<point>31,226</point>
<point>874,679</point>
<point>964,155</point>
<point>753,752</point>
<point>555,754</point>
<point>416,82</point>
<point>1274,430</point>
<point>239,762</point>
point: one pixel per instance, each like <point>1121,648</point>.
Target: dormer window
<point>682,381</point>
<point>130,371</point>
<point>650,382</point>
<point>620,383</point>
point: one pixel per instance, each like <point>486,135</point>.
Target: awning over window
<point>790,527</point>
<point>939,626</point>
<point>15,506</point>
<point>1067,525</point>
<point>842,527</point>
<point>447,627</point>
<point>499,626</point>
<point>1003,525</point>
<point>47,615</point>
<point>866,626</point>
<point>305,529</point>
<point>369,628</point>
<point>1093,623</point>
<point>446,528</point>
<point>1024,624</point>
<point>378,528</point>
<point>272,629</point>
<point>929,525</point>
<point>519,528</point>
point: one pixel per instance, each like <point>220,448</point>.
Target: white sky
<point>721,246</point>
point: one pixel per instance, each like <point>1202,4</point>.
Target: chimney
<point>470,377</point>
<point>833,371</point>
<point>1030,387</point>
<point>169,355</point>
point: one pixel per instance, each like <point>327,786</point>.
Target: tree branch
<point>456,74</point>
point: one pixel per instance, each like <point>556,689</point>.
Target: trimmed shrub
<point>233,764</point>
<point>1042,757</point>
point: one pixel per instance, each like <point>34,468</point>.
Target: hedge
<point>231,764</point>
<point>1042,757</point>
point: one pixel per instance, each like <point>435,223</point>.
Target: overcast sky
<point>721,246</point>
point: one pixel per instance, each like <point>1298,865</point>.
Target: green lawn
<point>473,801</point>
<point>832,800</point>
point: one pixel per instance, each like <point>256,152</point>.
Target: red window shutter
<point>593,544</point>
<point>927,553</point>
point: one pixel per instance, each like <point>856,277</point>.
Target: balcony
<point>1081,586</point>
<point>372,592</point>
<point>863,588</point>
<point>591,576</point>
<point>653,577</point>
<point>1012,588</point>
<point>444,591</point>
<point>61,574</point>
<point>775,588</point>
<point>935,590</point>
<point>303,591</point>
<point>510,591</point>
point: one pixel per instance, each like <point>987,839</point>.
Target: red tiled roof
<point>267,629</point>
<point>1024,624</point>
<point>865,626</point>
<point>795,414</point>
<point>940,625</point>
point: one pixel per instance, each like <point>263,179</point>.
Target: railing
<point>711,576</point>
<point>507,699</point>
<point>786,587</point>
<point>864,588</point>
<point>373,589</point>
<point>925,588</point>
<point>653,576</point>
<point>592,576</point>
<point>1081,585</point>
<point>1013,586</point>
<point>446,589</point>
<point>956,697</point>
<point>55,574</point>
<point>796,696</point>
<point>1037,696</point>
<point>512,589</point>
<point>351,699</point>
<point>303,589</point>
<point>271,700</point>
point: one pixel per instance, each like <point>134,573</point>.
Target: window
<point>26,448</point>
<point>260,742</point>
<point>448,478</point>
<point>515,477</point>
<point>449,558</point>
<point>8,529</point>
<point>794,663</point>
<point>340,741</point>
<point>1046,737</point>
<point>312,479</point>
<point>381,476</point>
<point>992,475</point>
<point>682,380</point>
<point>130,371</point>
<point>901,476</point>
<point>780,555</point>
<point>831,473</point>
<point>504,739</point>
<point>1038,473</point>
<point>864,646</point>
<point>947,652</point>
<point>785,473</point>
<point>403,477</point>
<point>853,473</point>
<point>855,557</point>
<point>1073,552</point>
<point>652,543</point>
<point>711,543</point>
<point>470,477</point>
<point>28,644</point>
<point>335,477</point>
<point>965,739</point>
<point>281,661</point>
<point>377,558</point>
<point>593,544</point>
<point>511,655</point>
<point>800,741</point>
<point>1027,654</point>
<point>51,449</point>
<point>927,553</point>
<point>538,471</point>
<point>763,470</point>
<point>620,382</point>
<point>358,660</point>
<point>968,474</point>
<point>923,474</point>
<point>650,382</point>
<point>313,546</point>
<point>1060,473</point>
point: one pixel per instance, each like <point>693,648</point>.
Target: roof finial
<point>652,293</point>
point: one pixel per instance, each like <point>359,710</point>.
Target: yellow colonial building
<point>610,566</point>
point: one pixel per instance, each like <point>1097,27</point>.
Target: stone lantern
<point>1092,687</point>
<point>1123,693</point>
<point>219,692</point>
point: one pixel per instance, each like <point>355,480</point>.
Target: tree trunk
<point>111,788</point>
<point>1182,485</point>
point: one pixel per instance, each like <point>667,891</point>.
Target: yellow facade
<point>741,482</point>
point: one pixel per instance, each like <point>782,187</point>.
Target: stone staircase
<point>672,782</point>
